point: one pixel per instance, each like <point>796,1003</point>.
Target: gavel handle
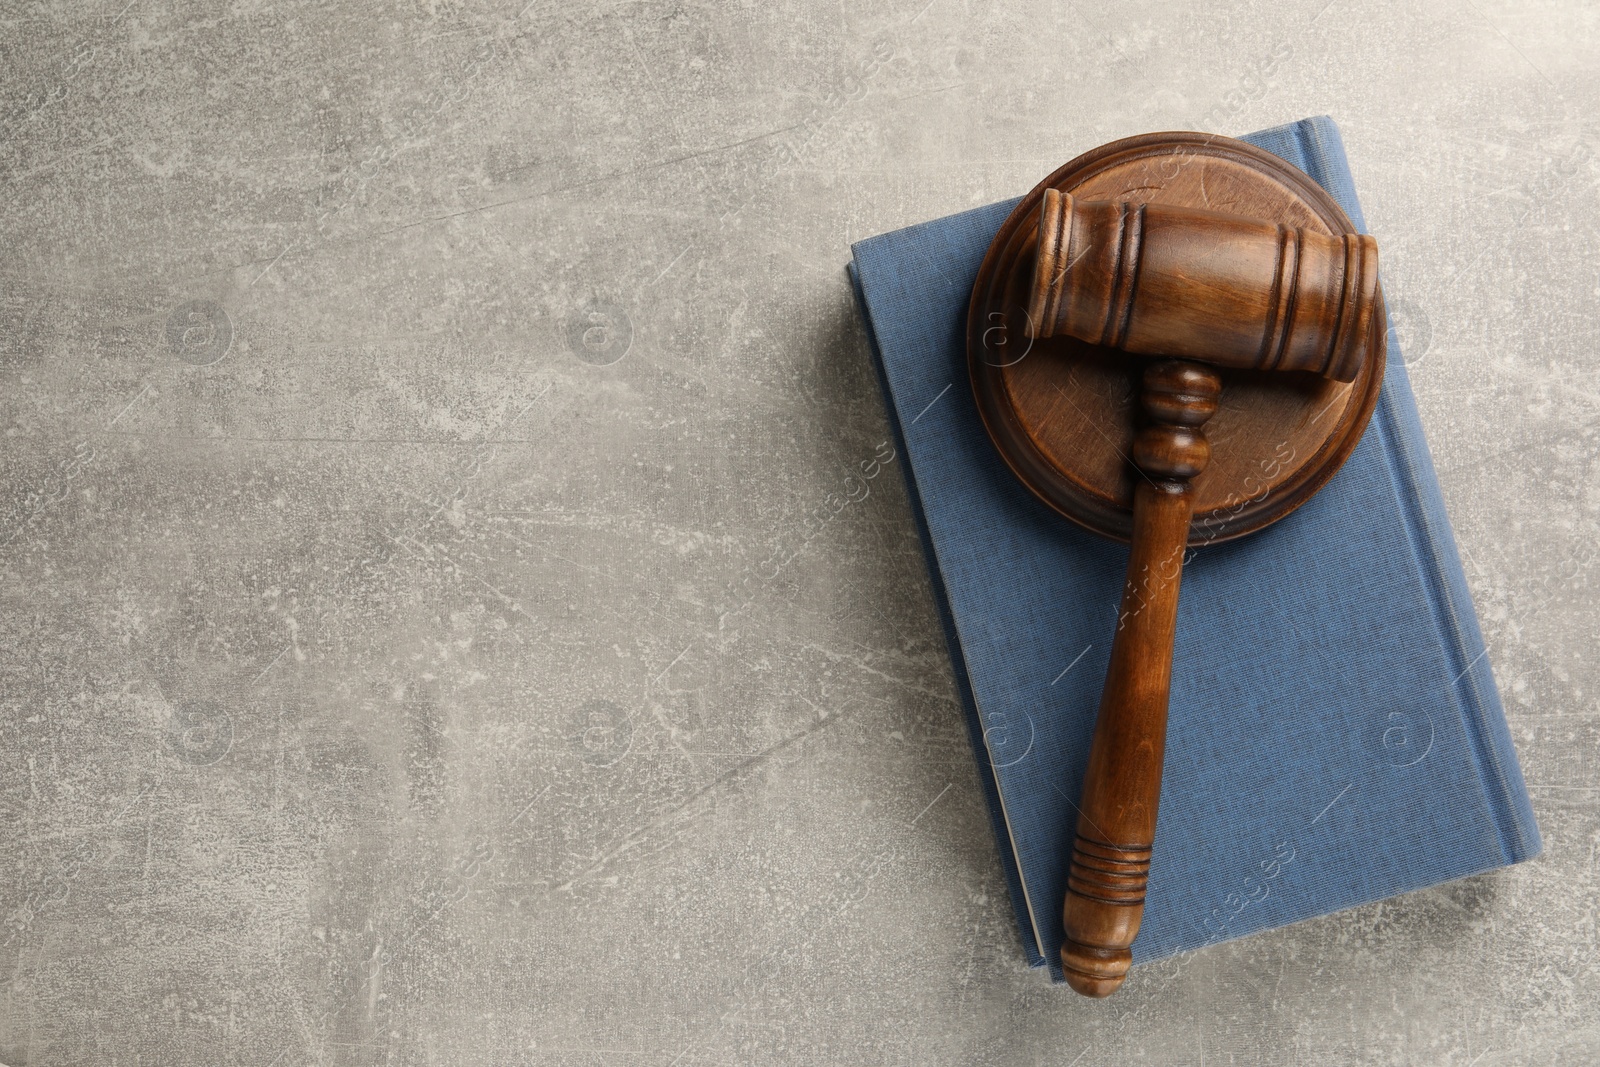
<point>1110,865</point>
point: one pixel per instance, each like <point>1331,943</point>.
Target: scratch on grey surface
<point>661,99</point>
<point>265,670</point>
<point>931,803</point>
<point>581,566</point>
<point>860,664</point>
<point>603,179</point>
<point>675,661</point>
<point>286,250</point>
<point>129,407</point>
<point>1511,44</point>
<point>686,810</point>
<point>507,599</point>
<point>529,805</point>
<point>56,164</point>
<point>667,269</point>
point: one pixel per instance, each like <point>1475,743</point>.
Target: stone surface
<point>413,652</point>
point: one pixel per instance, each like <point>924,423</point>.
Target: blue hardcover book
<point>1334,735</point>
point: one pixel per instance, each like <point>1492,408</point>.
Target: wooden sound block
<point>1063,413</point>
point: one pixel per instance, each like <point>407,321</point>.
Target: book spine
<point>1422,504</point>
<point>1421,501</point>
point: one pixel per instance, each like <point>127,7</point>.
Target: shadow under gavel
<point>1200,289</point>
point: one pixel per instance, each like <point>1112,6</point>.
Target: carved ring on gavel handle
<point>1162,280</point>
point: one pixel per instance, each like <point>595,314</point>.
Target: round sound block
<point>1062,412</point>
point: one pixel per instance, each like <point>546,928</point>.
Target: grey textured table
<point>404,405</point>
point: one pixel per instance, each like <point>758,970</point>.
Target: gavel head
<point>1160,280</point>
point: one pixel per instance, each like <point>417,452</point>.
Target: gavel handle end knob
<point>1095,972</point>
<point>1105,902</point>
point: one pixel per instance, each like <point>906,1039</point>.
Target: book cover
<point>1334,737</point>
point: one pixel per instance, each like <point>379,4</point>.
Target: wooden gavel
<point>1197,288</point>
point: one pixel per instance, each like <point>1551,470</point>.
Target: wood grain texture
<point>1122,786</point>
<point>1155,279</point>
